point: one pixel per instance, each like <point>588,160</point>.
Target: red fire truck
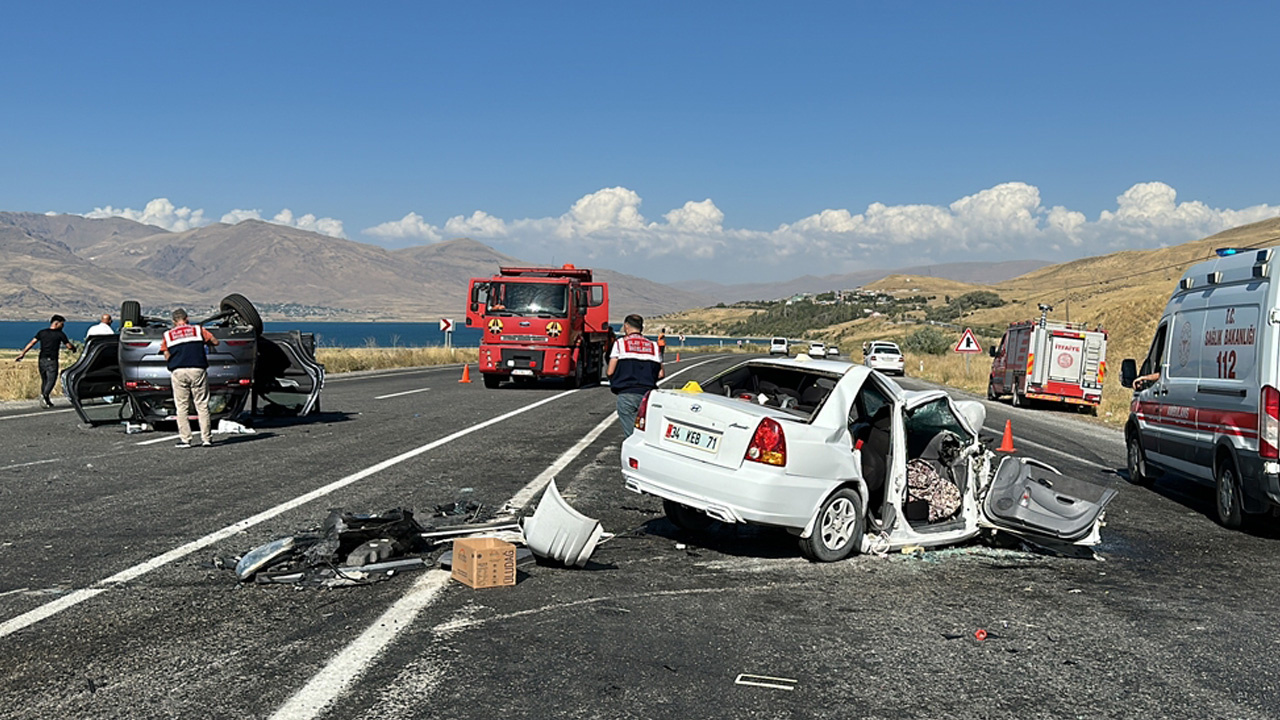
<point>541,322</point>
<point>1049,360</point>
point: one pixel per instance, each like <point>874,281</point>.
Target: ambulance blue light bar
<point>1227,252</point>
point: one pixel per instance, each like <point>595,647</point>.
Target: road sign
<point>968,343</point>
<point>446,325</point>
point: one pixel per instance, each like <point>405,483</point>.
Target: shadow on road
<point>735,540</point>
<point>1200,498</point>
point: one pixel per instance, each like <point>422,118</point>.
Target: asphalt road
<point>111,605</point>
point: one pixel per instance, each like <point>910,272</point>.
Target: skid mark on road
<point>347,666</point>
<point>32,617</point>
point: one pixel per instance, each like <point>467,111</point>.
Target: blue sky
<point>729,141</point>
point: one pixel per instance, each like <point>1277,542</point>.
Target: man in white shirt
<point>102,328</point>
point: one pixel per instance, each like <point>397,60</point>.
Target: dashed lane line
<point>406,392</point>
<point>333,681</point>
<point>35,414</point>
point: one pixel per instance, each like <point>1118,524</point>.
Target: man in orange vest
<point>184,348</point>
<point>662,343</point>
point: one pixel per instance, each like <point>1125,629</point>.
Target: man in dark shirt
<point>635,367</point>
<point>51,340</point>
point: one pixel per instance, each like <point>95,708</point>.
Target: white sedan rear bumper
<point>753,493</point>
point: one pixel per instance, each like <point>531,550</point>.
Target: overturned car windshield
<point>518,298</point>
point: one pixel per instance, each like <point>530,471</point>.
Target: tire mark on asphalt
<point>42,612</point>
<point>351,662</point>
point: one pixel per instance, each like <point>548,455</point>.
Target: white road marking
<point>406,392</point>
<point>153,441</point>
<point>348,665</point>
<point>34,616</point>
<point>29,464</point>
<point>35,414</point>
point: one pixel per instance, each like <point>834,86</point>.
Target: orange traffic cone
<point>677,357</point>
<point>1006,445</point>
<point>466,374</point>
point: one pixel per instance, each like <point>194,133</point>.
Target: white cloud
<point>309,222</point>
<point>480,224</point>
<point>411,226</point>
<point>159,212</point>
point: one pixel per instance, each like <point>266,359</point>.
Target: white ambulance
<point>1205,402</point>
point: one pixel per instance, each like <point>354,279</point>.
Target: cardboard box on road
<point>484,562</point>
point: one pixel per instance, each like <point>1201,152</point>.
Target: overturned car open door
<point>287,379</point>
<point>93,383</point>
<point>1033,500</point>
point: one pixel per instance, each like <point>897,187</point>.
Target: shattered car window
<point>926,421</point>
<point>793,390</point>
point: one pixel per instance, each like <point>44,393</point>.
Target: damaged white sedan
<point>847,460</point>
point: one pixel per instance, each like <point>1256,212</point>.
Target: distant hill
<point>981,273</point>
<point>81,266</point>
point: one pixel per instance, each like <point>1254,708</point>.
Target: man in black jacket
<point>51,340</point>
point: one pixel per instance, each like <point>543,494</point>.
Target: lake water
<point>15,334</point>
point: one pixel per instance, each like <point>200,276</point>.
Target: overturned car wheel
<point>244,311</point>
<point>131,313</point>
<point>838,533</point>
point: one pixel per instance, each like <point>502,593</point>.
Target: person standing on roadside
<point>184,347</point>
<point>51,340</point>
<point>662,344</point>
<point>635,367</point>
<point>102,328</point>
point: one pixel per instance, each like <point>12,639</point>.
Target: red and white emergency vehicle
<point>541,322</point>
<point>1049,360</point>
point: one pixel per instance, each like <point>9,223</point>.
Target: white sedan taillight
<point>769,444</point>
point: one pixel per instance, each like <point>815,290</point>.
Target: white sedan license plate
<point>694,437</point>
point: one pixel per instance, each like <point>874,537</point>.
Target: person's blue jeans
<point>628,407</point>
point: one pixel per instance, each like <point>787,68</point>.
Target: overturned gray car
<point>125,377</point>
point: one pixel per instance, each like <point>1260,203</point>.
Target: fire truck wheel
<point>577,379</point>
<point>492,380</point>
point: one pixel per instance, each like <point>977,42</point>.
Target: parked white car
<point>779,346</point>
<point>885,357</point>
<point>833,452</point>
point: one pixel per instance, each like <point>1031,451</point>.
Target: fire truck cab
<point>541,322</point>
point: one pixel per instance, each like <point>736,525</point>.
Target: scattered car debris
<point>231,427</point>
<point>523,555</point>
<point>558,532</point>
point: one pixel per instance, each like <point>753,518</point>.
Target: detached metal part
<point>262,556</point>
<point>558,532</point>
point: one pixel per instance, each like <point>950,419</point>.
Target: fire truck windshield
<point>535,299</point>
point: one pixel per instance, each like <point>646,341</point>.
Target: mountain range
<point>82,267</point>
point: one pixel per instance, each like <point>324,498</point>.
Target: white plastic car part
<point>558,532</point>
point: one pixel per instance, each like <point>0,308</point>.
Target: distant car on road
<point>885,357</point>
<point>833,351</point>
<point>779,346</point>
<point>125,377</point>
<point>835,454</point>
<point>817,349</point>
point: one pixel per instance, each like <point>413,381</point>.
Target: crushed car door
<point>93,383</point>
<point>1031,499</point>
<point>287,379</point>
